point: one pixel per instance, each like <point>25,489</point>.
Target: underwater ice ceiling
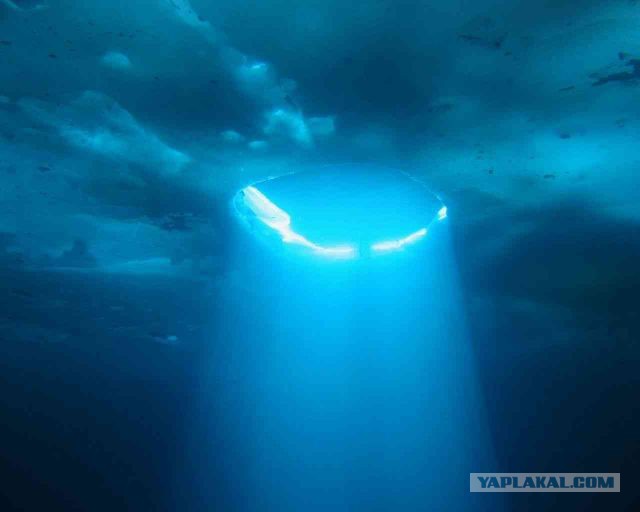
<point>137,121</point>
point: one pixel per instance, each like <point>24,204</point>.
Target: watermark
<point>544,482</point>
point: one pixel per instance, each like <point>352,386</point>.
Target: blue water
<point>158,353</point>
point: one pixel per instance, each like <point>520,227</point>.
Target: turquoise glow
<point>341,212</point>
<point>279,220</point>
<point>394,245</point>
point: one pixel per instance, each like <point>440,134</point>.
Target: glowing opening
<point>394,245</point>
<point>280,221</point>
<point>442,213</point>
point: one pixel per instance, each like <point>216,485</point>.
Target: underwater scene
<point>319,256</point>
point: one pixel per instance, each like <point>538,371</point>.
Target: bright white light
<point>394,245</point>
<point>340,250</point>
<point>280,221</point>
<point>442,213</point>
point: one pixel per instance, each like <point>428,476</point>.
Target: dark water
<point>154,356</point>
